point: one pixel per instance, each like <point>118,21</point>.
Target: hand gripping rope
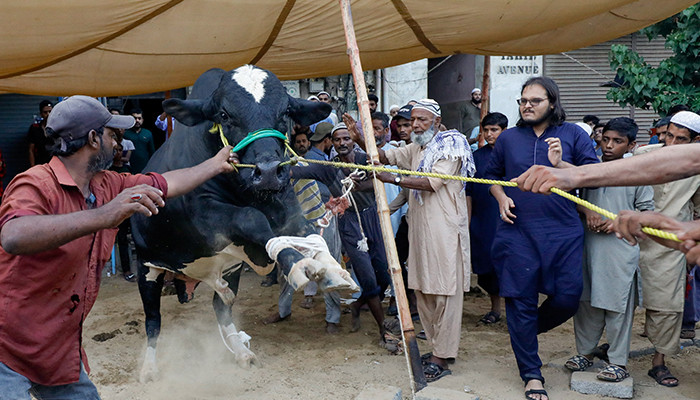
<point>374,168</point>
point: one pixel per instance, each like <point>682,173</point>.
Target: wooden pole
<point>485,88</point>
<point>410,345</point>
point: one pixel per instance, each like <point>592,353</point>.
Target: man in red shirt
<point>58,222</point>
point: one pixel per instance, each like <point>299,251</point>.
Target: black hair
<point>45,103</point>
<point>662,122</point>
<point>71,146</point>
<point>495,118</point>
<point>692,133</point>
<point>678,108</point>
<point>136,110</point>
<point>599,124</point>
<point>558,115</point>
<point>591,118</point>
<point>623,125</point>
<point>112,110</point>
<point>294,137</point>
<point>382,117</point>
<point>373,97</point>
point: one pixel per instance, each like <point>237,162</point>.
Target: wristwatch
<point>397,180</point>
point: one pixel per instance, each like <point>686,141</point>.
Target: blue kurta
<point>542,250</point>
<point>482,226</point>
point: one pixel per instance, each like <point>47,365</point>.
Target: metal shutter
<point>17,113</point>
<point>579,74</point>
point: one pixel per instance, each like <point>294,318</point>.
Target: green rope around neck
<point>250,138</point>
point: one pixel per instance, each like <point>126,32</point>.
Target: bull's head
<point>246,100</point>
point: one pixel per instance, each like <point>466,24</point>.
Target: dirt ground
<point>300,361</point>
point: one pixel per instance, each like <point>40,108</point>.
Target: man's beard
<point>101,161</point>
<point>538,121</point>
<point>424,138</point>
<point>476,101</point>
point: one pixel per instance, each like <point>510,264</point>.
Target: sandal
<point>434,372</point>
<point>491,317</point>
<point>613,373</point>
<point>660,373</point>
<point>578,363</point>
<point>688,333</point>
<point>541,392</point>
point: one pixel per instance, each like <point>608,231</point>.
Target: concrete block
<point>587,383</point>
<point>436,393</point>
<point>379,392</point>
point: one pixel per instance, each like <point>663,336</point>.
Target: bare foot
<point>331,328</point>
<point>274,318</point>
<point>355,310</point>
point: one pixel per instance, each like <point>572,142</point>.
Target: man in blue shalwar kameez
<point>540,250</point>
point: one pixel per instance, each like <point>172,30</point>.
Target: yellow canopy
<point>121,47</point>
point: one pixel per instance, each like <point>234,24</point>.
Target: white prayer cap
<point>687,119</point>
<point>429,105</point>
<point>312,98</point>
<point>585,127</point>
<point>476,89</point>
<point>394,106</point>
<point>338,126</point>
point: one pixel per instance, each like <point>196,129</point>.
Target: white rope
<point>242,336</point>
<point>348,185</point>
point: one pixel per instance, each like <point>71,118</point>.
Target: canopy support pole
<point>418,381</point>
<point>485,89</point>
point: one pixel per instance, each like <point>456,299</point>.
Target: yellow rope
<point>374,168</point>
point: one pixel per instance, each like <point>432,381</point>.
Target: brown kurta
<point>438,228</point>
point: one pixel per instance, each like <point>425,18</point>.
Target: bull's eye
<point>224,116</point>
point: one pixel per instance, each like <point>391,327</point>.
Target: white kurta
<point>609,264</point>
<point>438,228</point>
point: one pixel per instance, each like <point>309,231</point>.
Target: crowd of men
<point>535,244</point>
<point>519,242</point>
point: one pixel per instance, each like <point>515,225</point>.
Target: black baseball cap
<point>405,112</point>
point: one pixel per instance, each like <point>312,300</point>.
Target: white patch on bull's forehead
<point>251,79</point>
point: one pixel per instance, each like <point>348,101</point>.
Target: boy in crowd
<point>610,266</point>
<point>483,216</point>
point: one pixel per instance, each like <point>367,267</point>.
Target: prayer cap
<point>429,105</point>
<point>687,119</point>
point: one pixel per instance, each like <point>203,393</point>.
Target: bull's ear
<point>306,112</point>
<point>188,112</point>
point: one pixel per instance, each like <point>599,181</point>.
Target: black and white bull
<point>251,215</point>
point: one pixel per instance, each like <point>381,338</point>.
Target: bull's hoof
<point>337,280</point>
<point>298,275</point>
<point>248,360</point>
<point>149,373</point>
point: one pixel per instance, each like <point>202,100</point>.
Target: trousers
<point>14,386</point>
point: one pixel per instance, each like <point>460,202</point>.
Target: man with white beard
<point>439,265</point>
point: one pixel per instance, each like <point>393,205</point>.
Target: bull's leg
<point>235,341</point>
<point>150,286</point>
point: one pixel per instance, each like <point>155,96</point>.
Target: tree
<point>675,81</point>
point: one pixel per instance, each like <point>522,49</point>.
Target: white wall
<point>403,83</point>
<point>508,73</point>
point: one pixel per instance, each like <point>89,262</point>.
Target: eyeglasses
<point>533,102</point>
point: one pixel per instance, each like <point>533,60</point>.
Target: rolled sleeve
<point>153,179</point>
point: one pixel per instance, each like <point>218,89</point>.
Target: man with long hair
<point>540,250</point>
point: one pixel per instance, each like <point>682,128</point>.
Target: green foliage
<point>675,81</point>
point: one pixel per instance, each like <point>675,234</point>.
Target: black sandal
<point>490,317</point>
<point>660,373</point>
<point>434,372</point>
<point>541,392</point>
